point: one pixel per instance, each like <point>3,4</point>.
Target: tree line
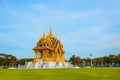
<point>112,60</point>
<point>8,60</point>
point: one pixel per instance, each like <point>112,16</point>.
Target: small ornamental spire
<point>50,34</point>
<point>44,35</point>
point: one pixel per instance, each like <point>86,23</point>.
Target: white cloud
<point>57,14</point>
<point>68,15</point>
<point>91,38</point>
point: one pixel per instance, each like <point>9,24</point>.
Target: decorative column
<point>35,56</point>
<point>40,55</point>
<point>43,54</point>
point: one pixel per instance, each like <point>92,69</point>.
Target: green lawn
<point>61,74</point>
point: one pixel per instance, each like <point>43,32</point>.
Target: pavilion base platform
<point>41,64</point>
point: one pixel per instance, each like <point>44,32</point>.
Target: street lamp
<point>91,60</point>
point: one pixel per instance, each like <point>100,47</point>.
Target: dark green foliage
<point>24,60</point>
<point>5,59</point>
<point>105,61</point>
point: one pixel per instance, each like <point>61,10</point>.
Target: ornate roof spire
<point>50,34</point>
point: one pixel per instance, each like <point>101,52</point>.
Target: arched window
<point>44,44</point>
<point>40,45</point>
<point>58,51</point>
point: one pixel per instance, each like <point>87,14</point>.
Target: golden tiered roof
<point>48,42</point>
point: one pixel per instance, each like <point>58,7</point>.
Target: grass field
<point>61,74</point>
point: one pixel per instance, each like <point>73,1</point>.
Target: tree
<point>24,60</point>
<point>75,60</point>
<point>88,60</point>
<point>71,59</point>
<point>5,59</point>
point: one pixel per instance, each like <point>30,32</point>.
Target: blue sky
<point>83,26</point>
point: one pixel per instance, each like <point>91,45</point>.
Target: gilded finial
<point>50,34</point>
